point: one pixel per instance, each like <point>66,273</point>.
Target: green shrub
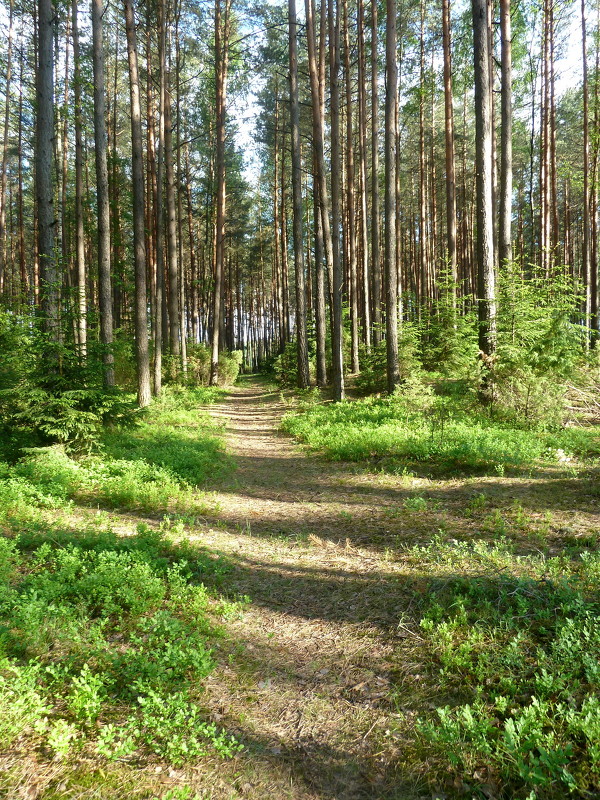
<point>373,377</point>
<point>199,363</point>
<point>516,641</point>
<point>106,640</point>
<point>416,426</point>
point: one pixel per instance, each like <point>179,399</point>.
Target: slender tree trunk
<point>449,142</point>
<point>391,266</point>
<point>337,355</point>
<point>504,228</point>
<point>323,244</point>
<point>423,234</point>
<point>486,302</point>
<point>159,205</point>
<point>362,158</point>
<point>586,250</point>
<point>375,249</point>
<point>350,204</point>
<point>139,234</point>
<point>63,179</point>
<point>4,163</point>
<point>179,197</point>
<point>100,148</point>
<point>173,266</point>
<point>46,212</point>
<point>221,64</point>
<point>79,232</point>
<point>26,282</point>
<point>301,335</point>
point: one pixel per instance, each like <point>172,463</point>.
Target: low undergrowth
<point>514,646</point>
<point>158,466</point>
<point>105,640</point>
<point>104,644</point>
<point>417,427</point>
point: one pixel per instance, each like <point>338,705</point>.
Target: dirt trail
<point>307,684</point>
<point>280,489</point>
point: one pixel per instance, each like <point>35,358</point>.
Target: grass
<point>416,428</point>
<point>105,643</point>
<point>506,627</point>
<point>159,466</point>
<point>513,643</point>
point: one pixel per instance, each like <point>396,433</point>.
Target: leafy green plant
<point>199,363</point>
<point>520,652</point>
<point>417,426</point>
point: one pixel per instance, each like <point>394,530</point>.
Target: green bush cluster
<point>159,465</point>
<point>516,641</point>
<point>417,426</point>
<point>52,398</point>
<point>104,644</point>
<point>199,362</point>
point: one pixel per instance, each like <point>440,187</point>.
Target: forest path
<point>312,678</point>
<point>325,669</point>
<point>280,489</point>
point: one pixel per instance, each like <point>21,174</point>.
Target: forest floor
<point>324,671</point>
<point>326,667</point>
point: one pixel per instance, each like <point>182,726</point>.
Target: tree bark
<point>102,191</point>
<point>139,236</point>
<point>337,355</point>
<point>301,336</point>
<point>486,303</point>
<point>46,212</point>
<point>173,266</point>
<point>221,63</point>
<point>375,248</point>
<point>391,266</point>
<point>505,221</point>
<point>449,142</point>
<point>4,163</point>
<point>350,202</point>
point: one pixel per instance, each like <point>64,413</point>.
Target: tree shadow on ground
<point>348,756</point>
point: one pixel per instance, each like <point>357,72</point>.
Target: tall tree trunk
<point>486,303</point>
<point>26,282</point>
<point>323,230</point>
<point>362,158</point>
<point>301,336</point>
<point>46,212</point>
<point>350,205</point>
<point>173,266</point>
<point>62,146</point>
<point>221,63</point>
<point>375,249</point>
<point>337,355</point>
<point>504,227</point>
<point>158,205</point>
<point>391,266</point>
<point>139,237</point>
<point>423,236</point>
<point>586,250</point>
<point>100,148</point>
<point>449,142</point>
<point>4,163</point>
<point>79,232</point>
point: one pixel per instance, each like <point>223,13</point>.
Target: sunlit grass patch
<point>159,466</point>
<point>104,646</point>
<point>419,428</point>
<point>514,644</point>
